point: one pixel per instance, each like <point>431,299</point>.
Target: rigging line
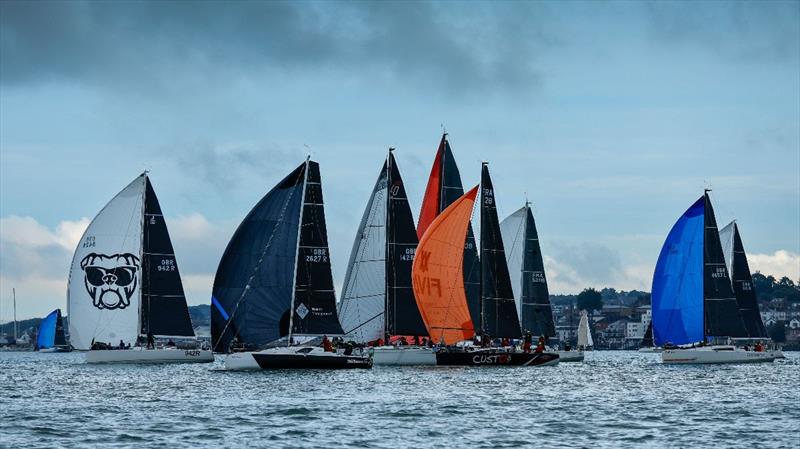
<point>255,269</point>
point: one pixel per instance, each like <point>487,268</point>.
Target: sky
<point>610,117</point>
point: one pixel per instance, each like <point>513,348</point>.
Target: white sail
<point>361,309</point>
<point>726,238</point>
<point>584,335</point>
<point>513,232</point>
<point>104,294</point>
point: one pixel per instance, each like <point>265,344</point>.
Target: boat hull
<point>714,355</point>
<point>403,355</point>
<point>55,349</point>
<point>569,356</point>
<point>651,350</point>
<point>137,355</point>
<point>495,358</point>
<point>292,358</point>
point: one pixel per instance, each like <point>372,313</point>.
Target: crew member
<point>326,344</point>
<point>526,345</point>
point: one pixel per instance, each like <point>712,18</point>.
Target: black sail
<point>315,299</point>
<point>721,311</point>
<point>499,311</point>
<point>537,315</point>
<point>252,292</point>
<point>744,291</point>
<point>451,190</point>
<point>164,310</point>
<point>647,340</point>
<point>402,313</point>
<point>60,338</point>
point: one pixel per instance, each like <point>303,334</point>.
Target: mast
<point>297,251</point>
<point>14,295</point>
<point>482,254</point>
<point>145,275</point>
<point>387,234</point>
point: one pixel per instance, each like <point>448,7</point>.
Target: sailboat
<point>51,337</point>
<point>694,305</point>
<point>124,285</point>
<point>378,300</point>
<point>273,298</point>
<point>528,281</point>
<point>438,275</point>
<point>742,283</point>
<point>585,340</point>
<point>647,345</point>
<point>444,187</point>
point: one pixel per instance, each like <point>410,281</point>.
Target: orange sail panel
<point>438,273</point>
<point>431,200</point>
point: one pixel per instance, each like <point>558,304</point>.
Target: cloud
<point>780,263</point>
<point>572,267</point>
<point>448,45</point>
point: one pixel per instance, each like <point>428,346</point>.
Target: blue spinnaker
<point>677,293</point>
<point>47,331</point>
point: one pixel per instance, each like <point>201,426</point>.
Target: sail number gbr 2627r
<point>317,255</point>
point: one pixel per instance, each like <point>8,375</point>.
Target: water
<point>613,399</point>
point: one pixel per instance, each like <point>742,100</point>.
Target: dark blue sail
<point>47,331</point>
<point>677,294</point>
<point>253,288</point>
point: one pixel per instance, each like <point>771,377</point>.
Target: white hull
<point>714,354</point>
<point>403,355</point>
<point>777,353</point>
<point>139,355</point>
<point>294,357</point>
<point>569,356</point>
<point>651,350</point>
<point>54,349</point>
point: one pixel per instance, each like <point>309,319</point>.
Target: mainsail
<point>274,276</point>
<point>438,274</point>
<point>51,331</point>
<point>691,295</point>
<point>647,340</point>
<point>444,187</point>
<point>124,281</point>
<point>378,298</point>
<point>742,280</point>
<point>526,268</point>
<point>499,317</point>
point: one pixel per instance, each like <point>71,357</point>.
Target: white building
<point>635,330</point>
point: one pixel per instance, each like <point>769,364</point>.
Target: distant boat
<point>377,300</point>
<point>51,337</point>
<point>742,283</point>
<point>647,345</point>
<point>694,304</point>
<point>124,284</point>
<point>585,340</point>
<point>528,280</point>
<point>273,296</point>
<point>438,275</point>
<point>444,187</point>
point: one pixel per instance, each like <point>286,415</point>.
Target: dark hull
<point>497,358</point>
<point>300,361</point>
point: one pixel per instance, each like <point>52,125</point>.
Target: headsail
<point>742,280</point>
<point>647,340</point>
<point>499,311</point>
<point>438,273</point>
<point>444,187</point>
<point>722,318</point>
<point>164,308</point>
<point>314,302</point>
<point>526,269</point>
<point>253,287</point>
<point>104,292</point>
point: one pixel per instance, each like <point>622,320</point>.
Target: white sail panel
<point>361,309</point>
<point>513,232</point>
<point>104,294</point>
<point>726,238</point>
<point>584,335</point>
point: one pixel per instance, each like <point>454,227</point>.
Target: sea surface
<point>613,399</point>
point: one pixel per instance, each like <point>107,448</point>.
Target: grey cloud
<point>765,31</point>
<point>594,263</point>
<point>446,45</point>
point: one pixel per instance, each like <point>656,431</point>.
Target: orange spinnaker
<point>438,273</point>
<point>433,193</point>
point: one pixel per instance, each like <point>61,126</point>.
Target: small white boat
<point>569,356</point>
<point>403,355</point>
<point>714,354</point>
<point>295,357</point>
<point>141,355</point>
